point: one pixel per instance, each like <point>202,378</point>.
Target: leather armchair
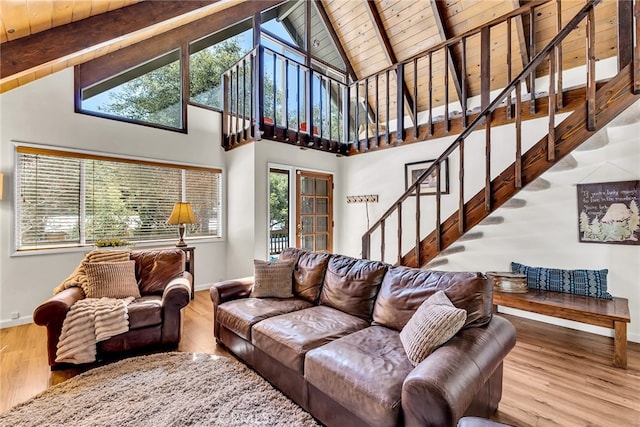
<point>155,319</point>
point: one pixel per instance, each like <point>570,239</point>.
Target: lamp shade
<point>182,214</point>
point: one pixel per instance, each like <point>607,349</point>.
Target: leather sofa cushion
<point>363,371</point>
<point>351,285</point>
<point>155,268</point>
<point>145,311</point>
<point>289,336</point>
<point>241,314</point>
<point>308,275</point>
<point>404,289</point>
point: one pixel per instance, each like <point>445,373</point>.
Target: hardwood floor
<point>553,377</point>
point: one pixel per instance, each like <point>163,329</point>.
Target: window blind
<point>70,198</point>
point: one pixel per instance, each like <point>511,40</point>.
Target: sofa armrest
<point>440,389</point>
<point>230,290</point>
<point>51,314</point>
<point>176,296</point>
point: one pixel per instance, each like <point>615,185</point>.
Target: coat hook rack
<point>371,198</point>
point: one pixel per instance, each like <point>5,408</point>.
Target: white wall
<point>248,170</point>
<point>42,112</point>
<point>544,233</point>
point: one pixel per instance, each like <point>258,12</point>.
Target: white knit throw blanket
<point>89,321</point>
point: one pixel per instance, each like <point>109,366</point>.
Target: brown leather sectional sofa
<point>335,348</point>
<point>155,319</point>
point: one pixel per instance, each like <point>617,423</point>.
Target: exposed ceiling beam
<point>439,9</point>
<point>40,54</point>
<point>374,15</point>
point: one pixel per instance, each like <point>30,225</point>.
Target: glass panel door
<point>314,213</point>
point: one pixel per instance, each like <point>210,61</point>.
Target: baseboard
<point>15,322</point>
<point>567,323</point>
<point>203,287</point>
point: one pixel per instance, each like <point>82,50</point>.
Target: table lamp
<point>181,215</point>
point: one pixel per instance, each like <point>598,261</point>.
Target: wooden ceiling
<point>374,34</point>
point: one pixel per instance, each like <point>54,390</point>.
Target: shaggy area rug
<point>167,389</point>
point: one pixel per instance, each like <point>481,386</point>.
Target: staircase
<point>601,104</point>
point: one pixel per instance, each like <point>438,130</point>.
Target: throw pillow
<point>434,323</point>
<point>590,283</point>
<point>110,279</point>
<point>272,279</point>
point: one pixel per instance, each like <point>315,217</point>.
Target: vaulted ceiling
<point>43,36</point>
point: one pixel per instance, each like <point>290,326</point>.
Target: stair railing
<point>552,53</point>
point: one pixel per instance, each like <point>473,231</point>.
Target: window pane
<point>287,22</point>
<point>48,201</point>
<point>307,185</point>
<point>322,223</point>
<point>322,205</point>
<point>307,242</point>
<point>322,187</point>
<point>307,205</point>
<point>68,199</point>
<point>321,242</point>
<point>207,64</point>
<point>307,224</point>
<point>149,93</point>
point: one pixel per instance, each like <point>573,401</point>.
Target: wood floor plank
<point>554,376</point>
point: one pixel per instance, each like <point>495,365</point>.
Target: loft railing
<point>511,97</point>
<point>267,94</point>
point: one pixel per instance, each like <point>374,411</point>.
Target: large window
<point>149,93</point>
<point>73,199</point>
<point>211,56</point>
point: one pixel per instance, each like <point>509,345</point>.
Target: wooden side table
<point>189,265</point>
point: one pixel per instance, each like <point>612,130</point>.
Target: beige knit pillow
<point>272,279</point>
<point>434,323</point>
<point>111,279</point>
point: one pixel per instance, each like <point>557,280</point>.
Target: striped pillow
<point>272,279</point>
<point>434,323</point>
<point>590,283</point>
<point>110,279</point>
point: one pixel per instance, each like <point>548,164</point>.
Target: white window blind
<point>71,199</point>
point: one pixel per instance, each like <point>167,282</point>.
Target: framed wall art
<point>608,212</point>
<point>413,170</point>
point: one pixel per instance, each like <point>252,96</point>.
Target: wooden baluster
<point>446,89</point>
<point>636,55</point>
<point>387,107</point>
<point>309,106</point>
<point>275,93</point>
<point>509,108</point>
<point>438,210</point>
<point>238,127</point>
<point>346,108</point>
<point>399,209</point>
<point>244,99</point>
<point>430,94</point>
<point>415,98</point>
<point>377,112</point>
<point>382,241</point>
<point>560,91</point>
<point>591,71</point>
<point>518,165</point>
<point>463,88</point>
<point>532,53</point>
<point>226,118</point>
<point>321,118</point>
<point>357,118</point>
<point>329,106</point>
<point>298,102</point>
<point>400,102</point>
<point>551,137</point>
<point>286,99</point>
<point>252,113</point>
<point>259,76</point>
<point>366,125</point>
<point>485,88</point>
<point>461,218</point>
<point>366,243</point>
<point>417,241</point>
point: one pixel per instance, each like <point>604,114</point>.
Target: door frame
<point>293,191</point>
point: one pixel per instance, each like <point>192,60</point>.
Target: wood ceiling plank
<point>335,39</point>
<point>16,18</point>
<point>40,15</point>
<point>115,4</point>
<point>439,9</point>
<point>81,10</point>
<point>62,12</point>
<point>98,7</point>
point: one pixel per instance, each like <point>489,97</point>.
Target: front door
<point>314,212</point>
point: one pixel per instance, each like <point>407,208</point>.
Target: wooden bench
<point>612,314</point>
